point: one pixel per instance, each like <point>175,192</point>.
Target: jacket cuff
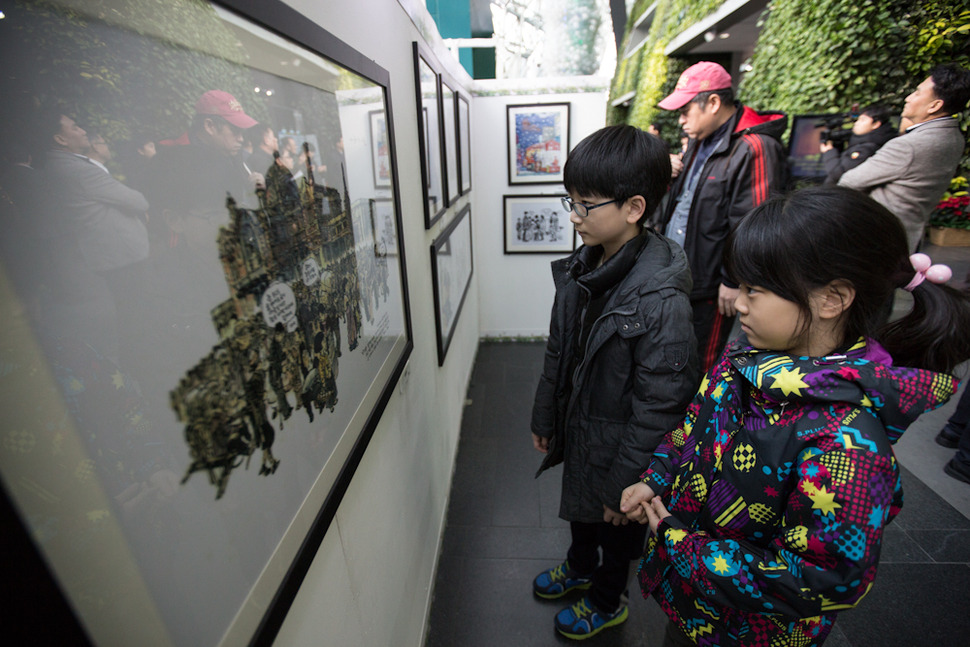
<point>672,523</point>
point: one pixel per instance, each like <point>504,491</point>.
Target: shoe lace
<point>582,609</point>
<point>559,573</point>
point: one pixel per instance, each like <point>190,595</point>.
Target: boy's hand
<point>656,512</point>
<point>540,443</point>
<point>676,164</point>
<point>635,499</point>
<point>614,517</point>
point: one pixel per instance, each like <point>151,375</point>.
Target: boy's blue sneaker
<point>558,581</point>
<point>582,621</point>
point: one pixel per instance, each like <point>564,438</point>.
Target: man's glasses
<point>581,209</point>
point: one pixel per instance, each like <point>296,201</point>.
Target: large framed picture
<point>185,397</point>
<point>464,145</point>
<point>451,270</point>
<point>428,91</point>
<point>538,142</point>
<point>537,224</point>
<point>449,119</point>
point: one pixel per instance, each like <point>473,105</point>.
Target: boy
<point>621,365</point>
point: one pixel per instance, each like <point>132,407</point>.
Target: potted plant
<point>950,221</point>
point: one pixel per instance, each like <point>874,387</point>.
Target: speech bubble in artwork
<point>310,272</point>
<point>279,306</point>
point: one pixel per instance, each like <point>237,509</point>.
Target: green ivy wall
<point>812,55</point>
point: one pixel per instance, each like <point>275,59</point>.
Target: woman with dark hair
<point>769,501</point>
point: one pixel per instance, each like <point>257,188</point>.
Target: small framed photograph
<point>382,226</point>
<point>451,271</point>
<point>379,149</point>
<point>538,142</point>
<point>428,90</point>
<point>464,146</point>
<point>537,224</point>
<point>449,117</point>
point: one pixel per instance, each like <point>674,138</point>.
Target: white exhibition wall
<point>516,290</point>
<point>370,582</point>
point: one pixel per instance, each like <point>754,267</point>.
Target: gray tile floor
<point>503,528</point>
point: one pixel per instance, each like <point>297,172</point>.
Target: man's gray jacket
<point>909,174</point>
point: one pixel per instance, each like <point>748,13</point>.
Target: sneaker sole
<point>618,620</point>
<point>556,596</point>
<point>956,473</point>
<point>943,441</point>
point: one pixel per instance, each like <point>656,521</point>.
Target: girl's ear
<point>635,207</point>
<point>835,299</point>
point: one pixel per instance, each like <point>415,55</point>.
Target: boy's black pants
<point>620,545</point>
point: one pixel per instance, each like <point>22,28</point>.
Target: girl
<point>769,501</point>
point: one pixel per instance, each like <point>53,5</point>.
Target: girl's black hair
<point>619,162</point>
<point>809,238</point>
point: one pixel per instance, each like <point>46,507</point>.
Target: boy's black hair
<point>878,112</point>
<point>951,83</point>
<point>619,162</point>
<point>797,243</point>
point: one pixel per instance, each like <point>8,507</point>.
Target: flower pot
<point>949,237</point>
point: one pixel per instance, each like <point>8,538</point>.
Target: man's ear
<point>835,299</point>
<point>210,126</point>
<point>635,207</point>
<point>935,108</point>
<point>714,101</point>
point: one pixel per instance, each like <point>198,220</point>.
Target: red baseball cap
<point>700,77</point>
<point>223,104</point>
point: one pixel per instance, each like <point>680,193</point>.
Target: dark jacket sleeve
<point>544,407</point>
<point>758,173</point>
<point>666,374</point>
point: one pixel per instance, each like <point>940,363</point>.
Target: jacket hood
<point>647,263</point>
<point>770,123</point>
<point>863,375</point>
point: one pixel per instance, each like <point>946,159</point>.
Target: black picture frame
<point>452,267</point>
<point>427,86</point>
<point>536,224</point>
<point>464,144</point>
<point>449,120</point>
<point>538,142</point>
<point>277,565</point>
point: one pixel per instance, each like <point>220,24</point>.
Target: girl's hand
<point>655,512</point>
<point>634,501</point>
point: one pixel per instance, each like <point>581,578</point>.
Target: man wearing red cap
<point>188,183</point>
<point>734,162</point>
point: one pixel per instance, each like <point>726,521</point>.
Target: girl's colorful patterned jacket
<point>780,494</point>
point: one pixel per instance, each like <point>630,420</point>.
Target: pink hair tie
<point>926,270</point>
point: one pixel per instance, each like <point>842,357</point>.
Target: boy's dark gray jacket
<point>639,371</point>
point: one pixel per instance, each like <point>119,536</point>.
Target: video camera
<point>834,129</point>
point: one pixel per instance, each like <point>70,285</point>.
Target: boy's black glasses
<point>581,209</point>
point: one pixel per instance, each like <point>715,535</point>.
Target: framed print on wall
<point>383,227</point>
<point>464,146</point>
<point>538,142</point>
<point>537,224</point>
<point>380,151</point>
<point>183,433</point>
<point>451,272</point>
<point>428,92</point>
<point>449,120</point>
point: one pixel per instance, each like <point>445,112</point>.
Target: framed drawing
<point>538,142</point>
<point>428,90</point>
<point>464,146</point>
<point>449,120</point>
<point>380,151</point>
<point>537,224</point>
<point>451,272</point>
<point>383,227</point>
<point>183,432</point>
